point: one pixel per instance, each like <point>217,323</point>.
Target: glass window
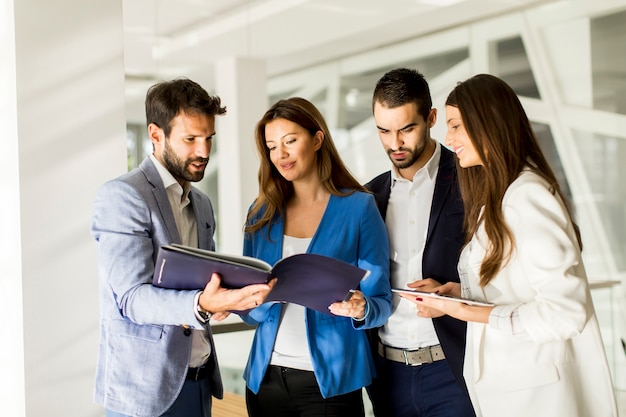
<point>602,158</point>
<point>282,95</point>
<point>546,142</point>
<point>138,146</point>
<point>511,64</point>
<point>357,89</point>
<point>608,62</point>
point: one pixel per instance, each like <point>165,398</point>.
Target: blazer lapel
<point>203,213</point>
<point>324,234</point>
<point>381,187</point>
<point>445,178</point>
<point>163,204</point>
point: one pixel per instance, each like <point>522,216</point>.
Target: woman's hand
<point>220,315</point>
<point>426,285</point>
<point>458,310</point>
<point>354,307</point>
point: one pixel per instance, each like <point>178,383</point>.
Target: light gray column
<point>11,320</point>
<point>64,135</point>
<point>241,83</point>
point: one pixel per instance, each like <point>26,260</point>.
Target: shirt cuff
<point>196,310</point>
<point>506,318</point>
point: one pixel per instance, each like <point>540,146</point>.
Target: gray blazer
<point>144,349</point>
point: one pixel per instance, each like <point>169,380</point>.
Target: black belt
<point>413,357</point>
<point>198,374</point>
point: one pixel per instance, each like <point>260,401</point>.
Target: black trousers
<point>287,392</point>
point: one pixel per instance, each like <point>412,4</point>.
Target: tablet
<point>442,296</point>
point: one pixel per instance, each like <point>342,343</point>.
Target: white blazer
<point>552,361</point>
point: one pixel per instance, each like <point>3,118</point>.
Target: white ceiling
<point>170,38</point>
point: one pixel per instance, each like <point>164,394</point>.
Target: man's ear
<point>156,134</point>
<point>432,117</point>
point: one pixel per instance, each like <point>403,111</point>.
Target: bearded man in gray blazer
<point>156,354</point>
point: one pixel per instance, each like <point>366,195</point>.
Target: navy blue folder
<point>311,280</point>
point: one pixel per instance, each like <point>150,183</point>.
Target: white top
<point>408,213</point>
<point>186,225</point>
<point>291,348</point>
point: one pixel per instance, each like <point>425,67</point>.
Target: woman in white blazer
<point>538,350</point>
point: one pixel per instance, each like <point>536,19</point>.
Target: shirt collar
<point>169,182</point>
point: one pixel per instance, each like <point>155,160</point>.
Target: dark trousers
<point>287,392</point>
<point>429,390</point>
<point>190,402</point>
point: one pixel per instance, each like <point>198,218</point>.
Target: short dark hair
<point>401,86</point>
<point>166,99</point>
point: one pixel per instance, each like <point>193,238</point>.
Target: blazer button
<point>187,331</point>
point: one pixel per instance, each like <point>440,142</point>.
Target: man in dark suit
<point>419,359</point>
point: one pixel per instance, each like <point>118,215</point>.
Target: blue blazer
<point>444,241</point>
<point>144,351</point>
<point>351,230</point>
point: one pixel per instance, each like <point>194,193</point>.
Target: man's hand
<point>426,285</point>
<point>219,301</point>
<point>449,288</point>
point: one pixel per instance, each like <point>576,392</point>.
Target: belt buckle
<point>407,362</point>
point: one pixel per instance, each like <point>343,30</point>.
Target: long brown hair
<point>501,133</point>
<point>274,189</point>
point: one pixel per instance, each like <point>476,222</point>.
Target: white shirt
<point>186,225</point>
<point>291,348</point>
<point>408,213</point>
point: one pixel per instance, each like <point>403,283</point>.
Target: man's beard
<point>414,154</point>
<point>178,167</point>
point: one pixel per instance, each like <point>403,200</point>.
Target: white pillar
<point>11,320</point>
<point>64,134</point>
<point>241,84</point>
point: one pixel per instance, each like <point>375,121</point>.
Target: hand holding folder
<point>314,281</point>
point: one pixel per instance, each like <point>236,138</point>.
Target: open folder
<point>311,280</point>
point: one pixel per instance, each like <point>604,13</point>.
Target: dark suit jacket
<point>444,241</point>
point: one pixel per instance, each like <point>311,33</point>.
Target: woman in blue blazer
<point>304,362</point>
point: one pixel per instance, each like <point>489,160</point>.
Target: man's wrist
<point>202,315</point>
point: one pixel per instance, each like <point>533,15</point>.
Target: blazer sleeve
<point>251,247</point>
<point>127,234</point>
<point>373,255</point>
<point>548,258</point>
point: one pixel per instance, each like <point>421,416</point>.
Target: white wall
<point>12,345</point>
<point>68,107</point>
